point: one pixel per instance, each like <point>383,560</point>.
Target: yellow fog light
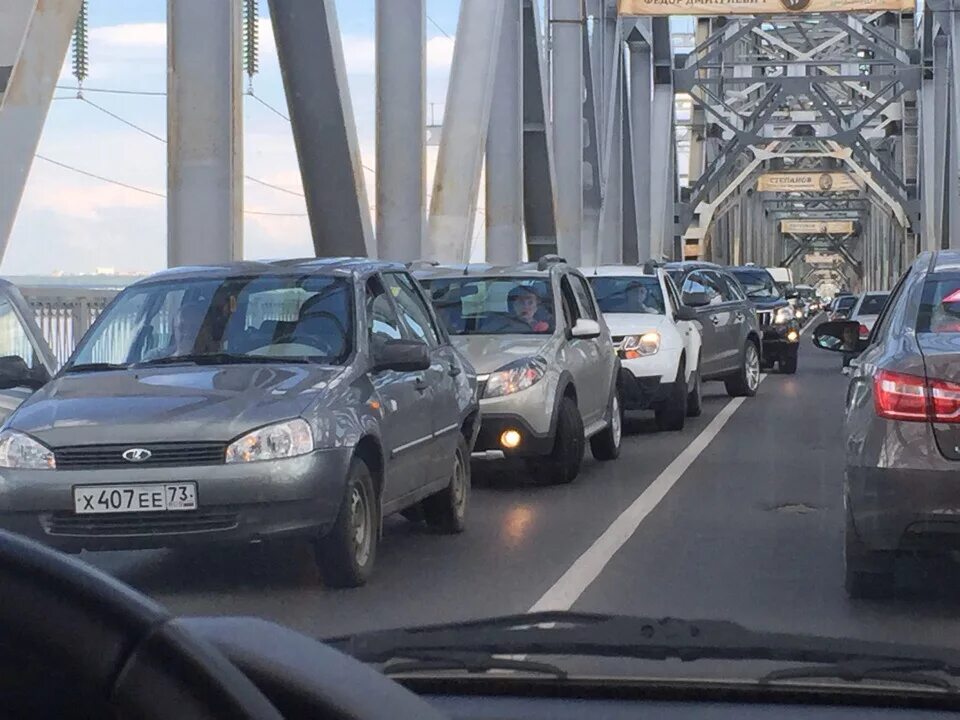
<point>510,439</point>
<point>793,335</point>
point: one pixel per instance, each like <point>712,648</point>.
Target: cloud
<point>139,36</point>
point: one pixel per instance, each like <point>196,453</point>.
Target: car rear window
<point>872,304</point>
<point>845,302</point>
<point>940,305</point>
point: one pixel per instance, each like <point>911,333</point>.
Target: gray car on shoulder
<point>248,402</point>
<point>547,369</point>
<point>902,425</point>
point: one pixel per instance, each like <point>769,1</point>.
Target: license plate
<point>159,497</point>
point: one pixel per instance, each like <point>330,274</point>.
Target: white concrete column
<point>205,132</point>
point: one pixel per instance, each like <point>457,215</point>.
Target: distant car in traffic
<point>656,338</point>
<point>810,299</point>
<point>778,323</point>
<point>867,309</point>
<point>546,367</point>
<point>731,349</point>
<point>902,425</point>
<point>841,306</point>
<point>248,402</point>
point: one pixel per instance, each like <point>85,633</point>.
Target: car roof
<point>943,260</point>
<point>423,271</point>
<point>692,265</point>
<point>333,267</point>
<point>616,271</point>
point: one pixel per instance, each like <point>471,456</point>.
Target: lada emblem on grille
<point>137,454</point>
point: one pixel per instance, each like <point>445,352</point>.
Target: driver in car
<point>186,337</point>
<point>524,304</point>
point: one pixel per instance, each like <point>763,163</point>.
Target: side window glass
<point>883,322</point>
<point>413,310</point>
<point>731,289</point>
<point>383,323</point>
<point>570,311</point>
<point>672,292</point>
<point>715,288</point>
<point>698,283</point>
<point>694,284</point>
<point>14,340</point>
<point>584,297</point>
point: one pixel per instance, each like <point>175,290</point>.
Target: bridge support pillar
<point>641,101</point>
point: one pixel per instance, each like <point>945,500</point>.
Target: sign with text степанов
<point>821,182</point>
<point>757,7</point>
<point>817,227</point>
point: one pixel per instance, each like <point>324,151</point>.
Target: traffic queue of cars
<point>311,398</point>
<point>902,422</point>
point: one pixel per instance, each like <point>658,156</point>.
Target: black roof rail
<point>547,260</point>
<point>418,263</point>
<point>651,265</point>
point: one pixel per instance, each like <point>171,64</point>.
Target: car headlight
<point>23,452</point>
<point>282,440</point>
<point>516,376</point>
<point>634,346</point>
<point>783,315</point>
<point>799,314</point>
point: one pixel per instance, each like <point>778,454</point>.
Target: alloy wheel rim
<point>458,486</point>
<point>753,367</point>
<point>615,424</point>
<point>360,525</point>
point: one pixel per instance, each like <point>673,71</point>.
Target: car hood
<point>195,403</point>
<point>633,323</point>
<point>488,353</point>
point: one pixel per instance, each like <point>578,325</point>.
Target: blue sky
<point>69,222</point>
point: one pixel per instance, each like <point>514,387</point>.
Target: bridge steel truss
<point>571,114</point>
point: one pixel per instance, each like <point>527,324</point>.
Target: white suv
<point>655,336</point>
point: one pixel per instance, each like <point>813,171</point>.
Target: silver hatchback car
<point>547,369</point>
<point>902,425</point>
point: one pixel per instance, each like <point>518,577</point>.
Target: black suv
<point>778,322</point>
<point>731,348</point>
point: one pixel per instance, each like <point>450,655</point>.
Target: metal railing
<point>64,314</point>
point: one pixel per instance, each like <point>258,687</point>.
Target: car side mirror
<point>696,299</point>
<point>685,313</point>
<point>839,336</point>
<point>585,329</point>
<point>400,355</point>
<point>14,372</point>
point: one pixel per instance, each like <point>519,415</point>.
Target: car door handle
<point>420,384</point>
<point>453,371</point>
<point>715,320</point>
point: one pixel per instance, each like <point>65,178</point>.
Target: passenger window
<point>381,316</point>
<point>731,288</point>
<point>883,321</point>
<point>570,311</point>
<point>715,288</point>
<point>584,297</point>
<point>697,283</point>
<point>672,292</point>
<point>14,340</point>
<point>413,310</point>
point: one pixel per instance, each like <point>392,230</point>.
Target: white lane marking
<point>810,324</point>
<point>572,584</point>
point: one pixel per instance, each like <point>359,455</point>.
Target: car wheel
<point>562,465</point>
<point>446,510</point>
<point>788,362</point>
<point>868,574</point>
<point>605,445</point>
<point>695,397</point>
<point>745,381</point>
<point>346,554</point>
<point>672,413</point>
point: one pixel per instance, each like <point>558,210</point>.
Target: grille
<point>617,339</point>
<point>138,524</point>
<point>89,457</point>
<point>765,317</point>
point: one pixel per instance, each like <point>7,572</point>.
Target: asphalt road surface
<point>738,517</point>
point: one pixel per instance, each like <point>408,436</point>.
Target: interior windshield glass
<point>637,294</point>
<point>228,320</point>
<point>757,284</point>
<point>493,306</point>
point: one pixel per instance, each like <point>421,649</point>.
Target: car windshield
<point>226,320</point>
<point>757,283</point>
<point>629,294</point>
<point>872,304</point>
<point>493,306</point>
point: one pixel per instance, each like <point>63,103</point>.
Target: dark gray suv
<point>731,349</point>
<point>248,402</point>
<point>902,425</point>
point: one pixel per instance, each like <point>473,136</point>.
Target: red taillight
<point>898,396</point>
<point>864,332</point>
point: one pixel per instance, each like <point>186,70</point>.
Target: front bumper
<point>236,504</point>
<point>642,392</point>
<point>777,339</point>
<point>492,426</point>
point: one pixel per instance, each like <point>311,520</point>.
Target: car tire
<point>695,397</point>
<point>446,510</point>
<point>605,445</point>
<point>671,414</point>
<point>868,574</point>
<point>346,554</point>
<point>788,361</point>
<point>562,465</point>
<point>746,380</point>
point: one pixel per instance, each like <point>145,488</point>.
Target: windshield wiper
<point>910,672</point>
<point>470,662</point>
<point>621,636</point>
<point>219,359</point>
<point>94,367</point>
